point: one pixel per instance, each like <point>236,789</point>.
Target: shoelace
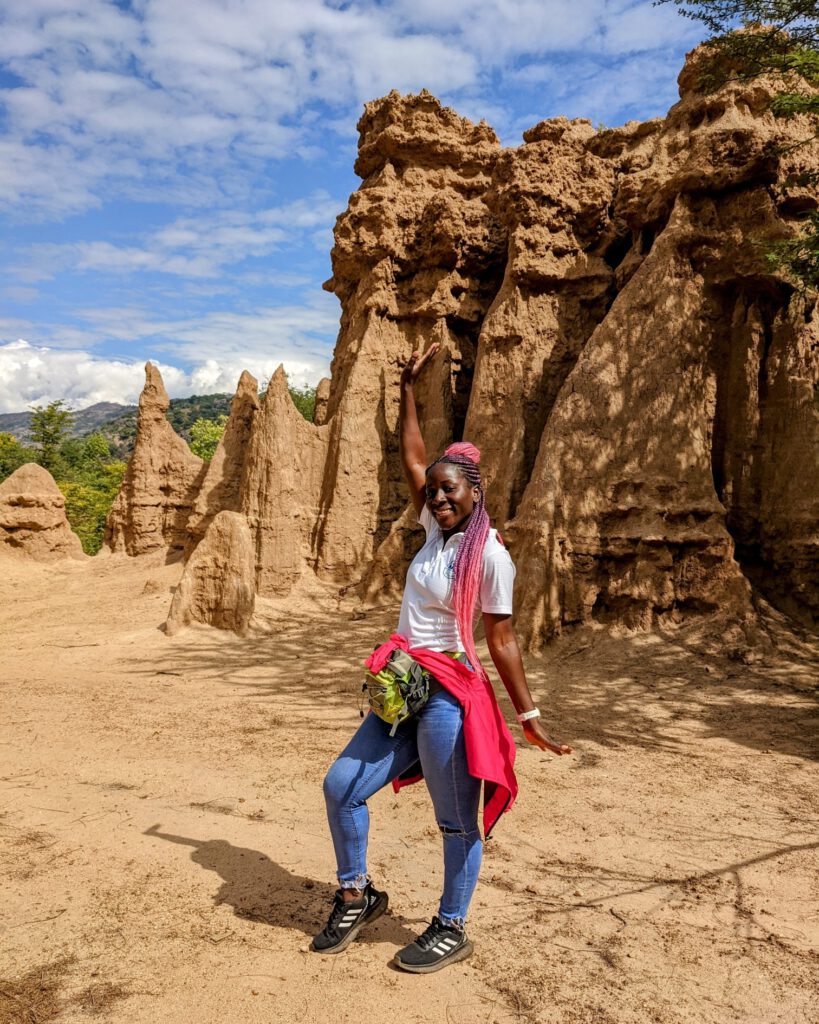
<point>435,931</point>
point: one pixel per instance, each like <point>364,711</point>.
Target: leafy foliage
<point>205,436</point>
<point>184,412</point>
<point>85,452</point>
<point>304,400</point>
<point>89,479</point>
<point>782,40</point>
<point>50,427</point>
<point>13,455</point>
<point>780,29</point>
<point>88,501</point>
<point>800,255</point>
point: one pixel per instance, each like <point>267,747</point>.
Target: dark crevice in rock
<point>390,476</point>
<point>463,369</point>
<point>741,363</point>
<point>647,236</point>
<point>617,250</point>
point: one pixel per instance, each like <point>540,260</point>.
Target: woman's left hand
<point>538,737</point>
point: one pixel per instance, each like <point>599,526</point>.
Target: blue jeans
<point>373,758</point>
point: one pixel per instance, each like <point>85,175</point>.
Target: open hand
<point>538,737</point>
<point>417,361</point>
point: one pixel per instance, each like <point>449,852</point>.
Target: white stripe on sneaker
<point>440,949</point>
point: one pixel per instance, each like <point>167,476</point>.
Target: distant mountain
<point>182,414</point>
<point>118,422</point>
<point>86,421</point>
<point>15,423</point>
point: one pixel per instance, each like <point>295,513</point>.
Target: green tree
<point>82,454</point>
<point>89,478</point>
<point>304,399</point>
<point>88,501</point>
<point>782,41</point>
<point>50,427</point>
<point>205,436</point>
<point>13,455</point>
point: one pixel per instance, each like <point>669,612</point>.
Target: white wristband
<point>526,715</point>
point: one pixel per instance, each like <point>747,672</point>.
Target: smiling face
<point>450,497</point>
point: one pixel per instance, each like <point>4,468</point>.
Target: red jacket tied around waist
<point>490,749</point>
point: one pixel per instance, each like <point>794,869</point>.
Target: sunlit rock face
<point>33,522</point>
<point>418,257</point>
<point>218,586</point>
<point>281,487</point>
<point>221,485</point>
<point>161,482</point>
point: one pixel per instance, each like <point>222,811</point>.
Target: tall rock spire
<point>281,487</point>
<point>161,483</point>
<point>221,487</point>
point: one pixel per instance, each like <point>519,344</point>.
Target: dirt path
<point>165,858</point>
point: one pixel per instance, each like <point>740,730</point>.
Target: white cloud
<point>196,355</point>
<point>126,96</point>
<point>501,31</point>
<point>600,90</point>
<point>21,294</point>
<point>32,375</point>
<point>118,102</point>
<point>192,247</point>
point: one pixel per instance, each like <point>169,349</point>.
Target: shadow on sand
<point>261,890</point>
<point>612,703</point>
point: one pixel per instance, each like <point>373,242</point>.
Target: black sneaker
<point>438,946</point>
<point>347,919</point>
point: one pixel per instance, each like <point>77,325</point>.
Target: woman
<point>459,738</point>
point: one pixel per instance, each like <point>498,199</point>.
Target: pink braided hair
<point>469,560</point>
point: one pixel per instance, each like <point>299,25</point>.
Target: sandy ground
<point>165,858</point>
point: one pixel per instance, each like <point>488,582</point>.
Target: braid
<point>469,559</point>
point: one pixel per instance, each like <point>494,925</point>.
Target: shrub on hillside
<point>205,436</point>
<point>88,500</point>
<point>13,455</point>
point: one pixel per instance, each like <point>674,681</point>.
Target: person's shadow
<point>261,890</point>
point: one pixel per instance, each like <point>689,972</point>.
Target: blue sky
<point>170,170</point>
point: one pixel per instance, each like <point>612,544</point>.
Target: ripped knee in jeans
<point>450,830</point>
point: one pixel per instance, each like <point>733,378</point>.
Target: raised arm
<point>503,647</point>
<point>411,443</point>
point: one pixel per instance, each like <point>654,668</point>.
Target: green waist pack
<point>398,691</point>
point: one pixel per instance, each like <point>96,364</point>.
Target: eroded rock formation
<point>656,488</point>
<point>322,400</point>
<point>32,517</point>
<point>417,257</point>
<point>221,486</point>
<point>281,489</point>
<point>161,483</point>
<point>218,586</point>
<point>640,379</point>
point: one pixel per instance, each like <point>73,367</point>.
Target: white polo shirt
<point>427,616</point>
